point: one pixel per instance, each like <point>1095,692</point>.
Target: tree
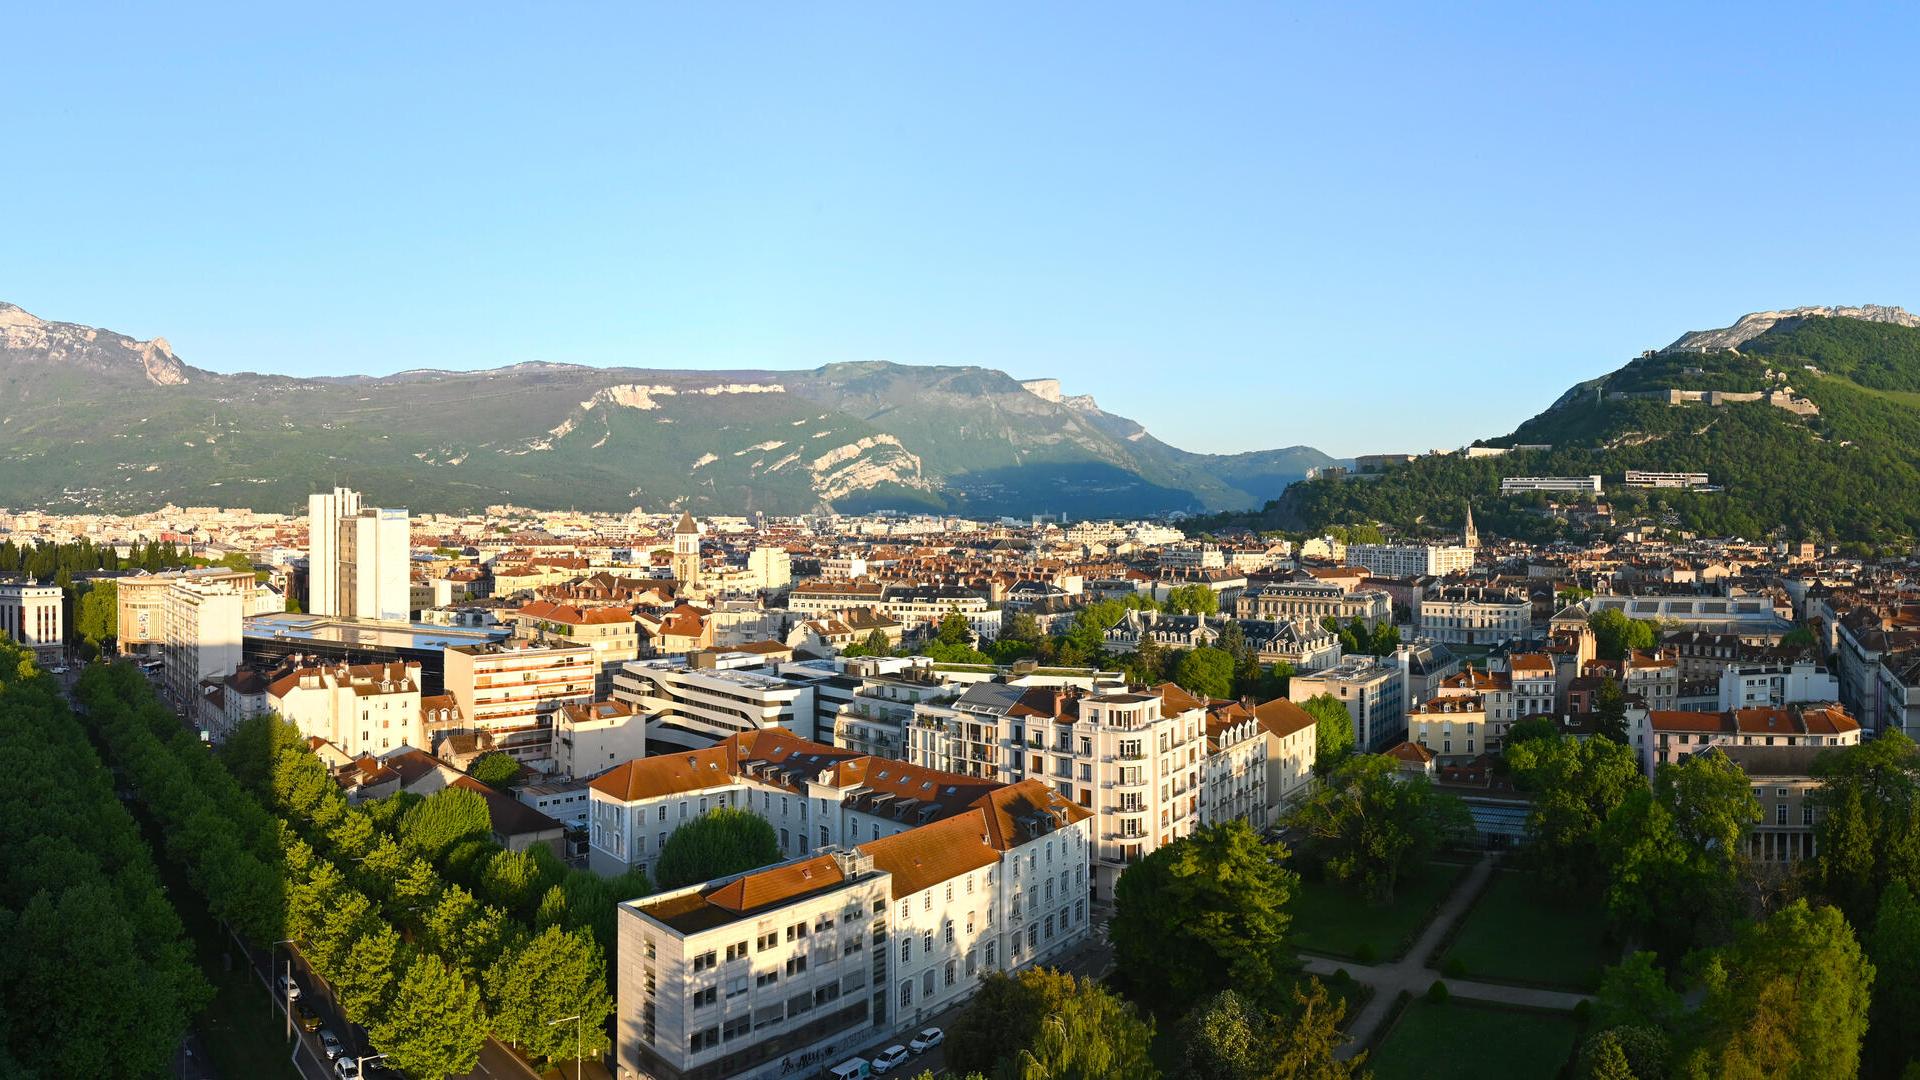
<point>97,620</point>
<point>1369,823</point>
<point>1386,638</point>
<point>1004,1013</point>
<point>1090,1035</point>
<point>435,1025</point>
<point>1615,635</point>
<point>1533,727</point>
<point>1634,993</point>
<point>1610,711</point>
<point>558,973</point>
<point>720,842</point>
<point>874,644</point>
<point>1674,854</point>
<point>1575,784</point>
<point>369,973</point>
<point>1712,804</point>
<point>443,819</point>
<point>954,629</point>
<point>1229,1038</point>
<point>496,769</point>
<point>1205,672</point>
<point>1333,730</point>
<point>1787,998</point>
<point>1894,948</point>
<point>1625,1053</point>
<point>1193,600</point>
<point>1203,914</point>
<point>1869,798</point>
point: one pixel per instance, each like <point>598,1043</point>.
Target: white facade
<point>692,707</point>
<point>1373,691</point>
<point>1643,478</point>
<point>33,616</point>
<point>200,635</point>
<point>1589,485</point>
<point>1760,685</point>
<point>512,692</point>
<point>1472,615</point>
<point>357,559</point>
<point>1410,560</point>
<point>362,709</point>
<point>590,739</point>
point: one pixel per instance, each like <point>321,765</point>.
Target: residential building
<point>1473,615</point>
<point>1755,685</point>
<point>1132,757</point>
<point>358,559</point>
<point>1673,734</point>
<point>1308,599</point>
<point>590,738</point>
<point>1373,691</point>
<point>200,636</point>
<point>361,709</point>
<point>1411,560</point>
<point>1643,478</point>
<point>1292,737</point>
<point>609,631</point>
<point>509,693</point>
<point>1784,785</point>
<point>1233,780</point>
<point>140,598</point>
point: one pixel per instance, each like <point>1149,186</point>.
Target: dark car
<point>305,1017</point>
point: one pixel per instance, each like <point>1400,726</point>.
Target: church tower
<point>1470,536</point>
<point>686,551</point>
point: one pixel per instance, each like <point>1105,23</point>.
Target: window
<point>766,978</point>
<point>906,993</point>
<point>766,941</point>
<point>950,973</point>
<point>704,998</point>
<point>906,950</point>
<point>796,965</point>
<point>705,1039</point>
<point>736,1027</point>
<point>1780,813</point>
<point>703,962</point>
<point>736,952</point>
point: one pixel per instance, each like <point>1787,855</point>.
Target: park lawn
<point>1462,1041</point>
<point>1517,932</point>
<point>1330,919</point>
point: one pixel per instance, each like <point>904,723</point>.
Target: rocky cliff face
<point>93,418</point>
<point>1752,325</point>
<point>29,340</point>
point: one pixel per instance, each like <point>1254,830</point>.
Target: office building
<point>33,616</point>
<point>1411,560</point>
<point>1584,485</point>
<point>358,559</point>
<point>1372,689</point>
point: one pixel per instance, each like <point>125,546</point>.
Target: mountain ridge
<point>94,418</point>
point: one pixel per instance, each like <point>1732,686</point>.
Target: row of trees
<point>96,975</point>
<point>435,936</point>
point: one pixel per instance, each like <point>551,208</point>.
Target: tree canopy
<point>719,842</point>
<point>1205,913</point>
<point>1369,823</point>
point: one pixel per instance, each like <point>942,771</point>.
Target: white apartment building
<point>743,977</point>
<point>592,738</point>
<point>719,695</point>
<point>843,567</point>
<point>1664,736</point>
<point>1373,690</point>
<point>1192,556</point>
<point>358,559</point>
<point>1293,744</point>
<point>1588,485</point>
<point>1759,685</point>
<point>609,631</point>
<point>33,616</point>
<point>1643,479</point>
<point>511,692</point>
<point>771,566</point>
<point>1472,615</point>
<point>1132,757</point>
<point>1410,560</point>
<point>200,635</point>
<point>360,708</point>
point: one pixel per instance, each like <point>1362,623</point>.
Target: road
<point>496,1061</point>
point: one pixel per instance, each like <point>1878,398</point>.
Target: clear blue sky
<point>1246,226</point>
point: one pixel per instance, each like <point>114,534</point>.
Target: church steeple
<point>1469,535</point>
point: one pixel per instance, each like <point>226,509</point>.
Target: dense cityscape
<point>651,795</point>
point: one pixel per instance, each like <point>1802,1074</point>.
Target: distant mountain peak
<point>86,346</point>
<point>1753,324</point>
<point>1049,390</point>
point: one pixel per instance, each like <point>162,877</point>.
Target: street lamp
<point>579,1043</point>
<point>287,1004</point>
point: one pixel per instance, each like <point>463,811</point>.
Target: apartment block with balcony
<point>714,696</point>
<point>508,694</point>
<point>360,708</point>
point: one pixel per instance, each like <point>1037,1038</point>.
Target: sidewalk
<point>1411,973</point>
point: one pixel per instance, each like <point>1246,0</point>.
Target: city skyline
<point>1450,217</point>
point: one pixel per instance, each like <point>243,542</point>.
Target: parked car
<point>927,1040</point>
<point>289,989</point>
<point>331,1044</point>
<point>890,1059</point>
<point>347,1068</point>
<point>305,1017</point>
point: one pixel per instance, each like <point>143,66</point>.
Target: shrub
<point>1454,968</point>
<point>1437,994</point>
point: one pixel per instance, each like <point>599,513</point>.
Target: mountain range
<point>1806,420</point>
<point>92,419</point>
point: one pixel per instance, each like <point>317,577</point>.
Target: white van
<point>850,1069</point>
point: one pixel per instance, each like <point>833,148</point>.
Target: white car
<point>289,989</point>
<point>331,1044</point>
<point>890,1059</point>
<point>927,1040</point>
<point>347,1068</point>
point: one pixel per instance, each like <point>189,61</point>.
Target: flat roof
<point>365,634</point>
